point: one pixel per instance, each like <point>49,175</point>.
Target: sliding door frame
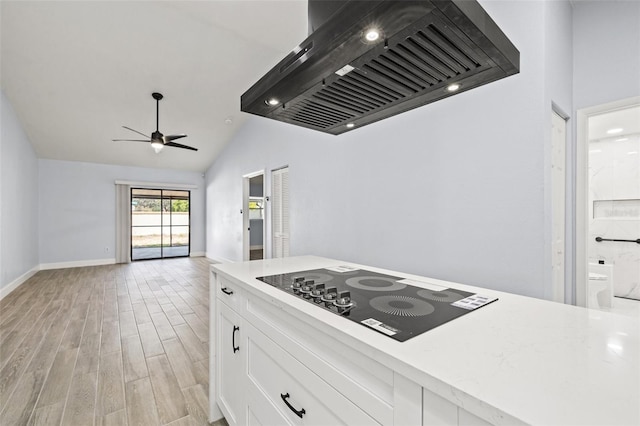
<point>162,226</point>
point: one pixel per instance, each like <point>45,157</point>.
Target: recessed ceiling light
<point>272,102</point>
<point>622,139</point>
<point>372,34</point>
<point>614,131</point>
<point>453,87</point>
<point>350,125</point>
<point>228,120</point>
<point>632,152</point>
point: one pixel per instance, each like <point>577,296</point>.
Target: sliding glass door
<point>160,223</point>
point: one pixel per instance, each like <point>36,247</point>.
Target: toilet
<point>600,286</point>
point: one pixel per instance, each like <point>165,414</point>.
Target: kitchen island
<point>277,359</point>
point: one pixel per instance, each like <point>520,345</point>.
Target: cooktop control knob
<point>306,287</point>
<point>297,283</point>
<point>330,294</point>
<point>317,291</point>
<point>344,298</point>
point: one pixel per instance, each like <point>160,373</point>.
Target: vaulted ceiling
<point>77,71</point>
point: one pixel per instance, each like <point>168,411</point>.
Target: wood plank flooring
<point>107,345</point>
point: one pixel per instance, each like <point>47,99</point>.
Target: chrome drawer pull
<point>298,413</point>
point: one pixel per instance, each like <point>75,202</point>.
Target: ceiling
<point>77,71</point>
<point>622,123</point>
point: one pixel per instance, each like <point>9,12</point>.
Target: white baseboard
<point>77,264</point>
<point>4,291</point>
<point>197,254</point>
<point>256,247</point>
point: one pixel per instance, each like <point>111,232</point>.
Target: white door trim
<point>558,204</point>
<point>582,189</point>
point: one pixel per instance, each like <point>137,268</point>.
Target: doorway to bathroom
<point>609,145</point>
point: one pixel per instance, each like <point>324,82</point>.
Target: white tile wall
<point>614,174</point>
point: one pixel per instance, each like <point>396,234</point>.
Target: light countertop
<point>517,360</point>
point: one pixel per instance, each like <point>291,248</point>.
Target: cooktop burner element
<point>440,296</point>
<point>402,306</point>
<point>387,304</point>
<point>375,283</point>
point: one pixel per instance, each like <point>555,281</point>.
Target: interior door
<point>280,212</point>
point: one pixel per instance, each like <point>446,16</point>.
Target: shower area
<point>614,207</point>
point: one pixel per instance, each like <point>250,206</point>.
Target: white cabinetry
<point>231,357</point>
<point>273,369</point>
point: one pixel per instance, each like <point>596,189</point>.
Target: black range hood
<point>336,80</point>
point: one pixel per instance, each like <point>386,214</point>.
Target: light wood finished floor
<point>107,345</point>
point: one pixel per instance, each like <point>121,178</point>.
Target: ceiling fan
<point>157,139</point>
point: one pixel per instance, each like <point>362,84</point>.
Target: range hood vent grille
<point>412,68</point>
<point>421,61</point>
<point>316,114</point>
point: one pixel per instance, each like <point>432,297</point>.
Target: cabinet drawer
<point>299,394</point>
<point>230,293</point>
<point>362,380</point>
<point>260,410</point>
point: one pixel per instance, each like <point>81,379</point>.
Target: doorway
<point>160,223</point>
<point>609,247</point>
<point>253,216</point>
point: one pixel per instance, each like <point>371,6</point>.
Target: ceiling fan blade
<point>174,137</point>
<point>179,145</point>
<point>130,140</point>
<point>133,130</point>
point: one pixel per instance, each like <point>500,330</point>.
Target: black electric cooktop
<point>384,303</point>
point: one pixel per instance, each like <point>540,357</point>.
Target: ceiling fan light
<point>157,146</point>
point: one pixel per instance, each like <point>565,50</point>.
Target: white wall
<point>452,190</point>
<point>606,51</point>
<point>77,208</point>
<point>606,66</point>
<point>18,201</point>
<point>558,77</point>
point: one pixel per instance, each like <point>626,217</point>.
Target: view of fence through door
<point>160,223</point>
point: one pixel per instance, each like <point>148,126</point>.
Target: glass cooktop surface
<point>387,304</point>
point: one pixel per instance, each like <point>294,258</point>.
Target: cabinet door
<point>231,365</point>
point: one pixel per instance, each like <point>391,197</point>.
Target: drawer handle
<point>284,397</point>
<point>233,340</point>
<point>227,291</point>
